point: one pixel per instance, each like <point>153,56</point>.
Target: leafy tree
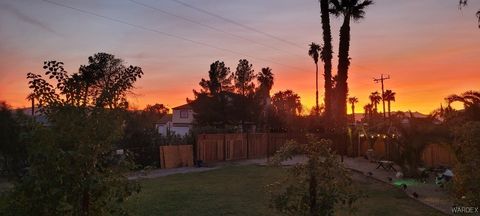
<point>220,79</point>
<point>314,53</point>
<point>349,9</point>
<point>153,113</point>
<point>12,149</point>
<point>103,83</point>
<point>74,169</point>
<point>243,78</point>
<point>108,80</point>
<point>285,111</point>
<point>317,187</point>
<point>215,101</point>
<point>287,103</point>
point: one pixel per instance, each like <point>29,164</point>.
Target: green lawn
<point>239,190</point>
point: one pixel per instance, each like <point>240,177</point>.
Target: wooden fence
<point>436,155</point>
<point>176,156</point>
<point>224,147</point>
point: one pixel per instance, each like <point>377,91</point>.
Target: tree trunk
<point>316,87</point>
<point>389,113</point>
<point>327,56</point>
<point>85,203</point>
<point>313,190</point>
<point>343,64</point>
<point>353,113</point>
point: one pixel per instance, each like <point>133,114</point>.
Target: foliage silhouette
<point>326,56</point>
<point>349,9</point>
<point>314,53</point>
<point>73,166</point>
<point>375,99</point>
<point>389,96</point>
<point>353,101</point>
<point>317,187</point>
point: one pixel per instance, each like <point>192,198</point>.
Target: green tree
<point>314,53</point>
<point>349,9</point>
<point>220,79</point>
<point>214,102</point>
<point>389,96</point>
<point>73,166</point>
<point>12,149</point>
<point>243,78</point>
<point>317,187</point>
<point>287,103</point>
<point>104,82</point>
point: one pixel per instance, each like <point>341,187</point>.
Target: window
<point>183,113</point>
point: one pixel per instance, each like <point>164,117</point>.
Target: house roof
<point>184,106</point>
<point>166,118</point>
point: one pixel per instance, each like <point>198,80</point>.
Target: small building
<point>179,122</point>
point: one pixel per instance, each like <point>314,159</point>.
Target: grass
<point>239,190</point>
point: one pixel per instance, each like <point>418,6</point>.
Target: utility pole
<point>381,79</point>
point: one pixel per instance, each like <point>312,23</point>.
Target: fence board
<point>176,156</point>
<point>438,155</point>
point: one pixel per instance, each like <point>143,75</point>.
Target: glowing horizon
<point>429,48</point>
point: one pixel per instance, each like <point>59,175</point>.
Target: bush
<point>73,167</point>
<point>314,188</point>
<point>467,151</point>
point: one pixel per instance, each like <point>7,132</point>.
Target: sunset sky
<point>429,48</point>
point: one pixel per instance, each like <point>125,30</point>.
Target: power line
<point>164,33</point>
<point>238,24</point>
<point>205,25</point>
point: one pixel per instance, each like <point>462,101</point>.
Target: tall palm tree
<point>375,99</point>
<point>326,56</point>
<point>353,101</point>
<point>349,9</point>
<point>314,53</point>
<point>389,96</point>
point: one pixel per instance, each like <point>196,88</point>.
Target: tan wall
<point>176,116</point>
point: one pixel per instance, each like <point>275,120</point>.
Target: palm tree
<point>326,55</point>
<point>389,96</point>
<point>368,110</point>
<point>353,101</point>
<point>375,99</point>
<point>314,53</point>
<point>350,9</point>
<point>468,98</point>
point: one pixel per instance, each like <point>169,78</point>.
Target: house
<point>179,122</point>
